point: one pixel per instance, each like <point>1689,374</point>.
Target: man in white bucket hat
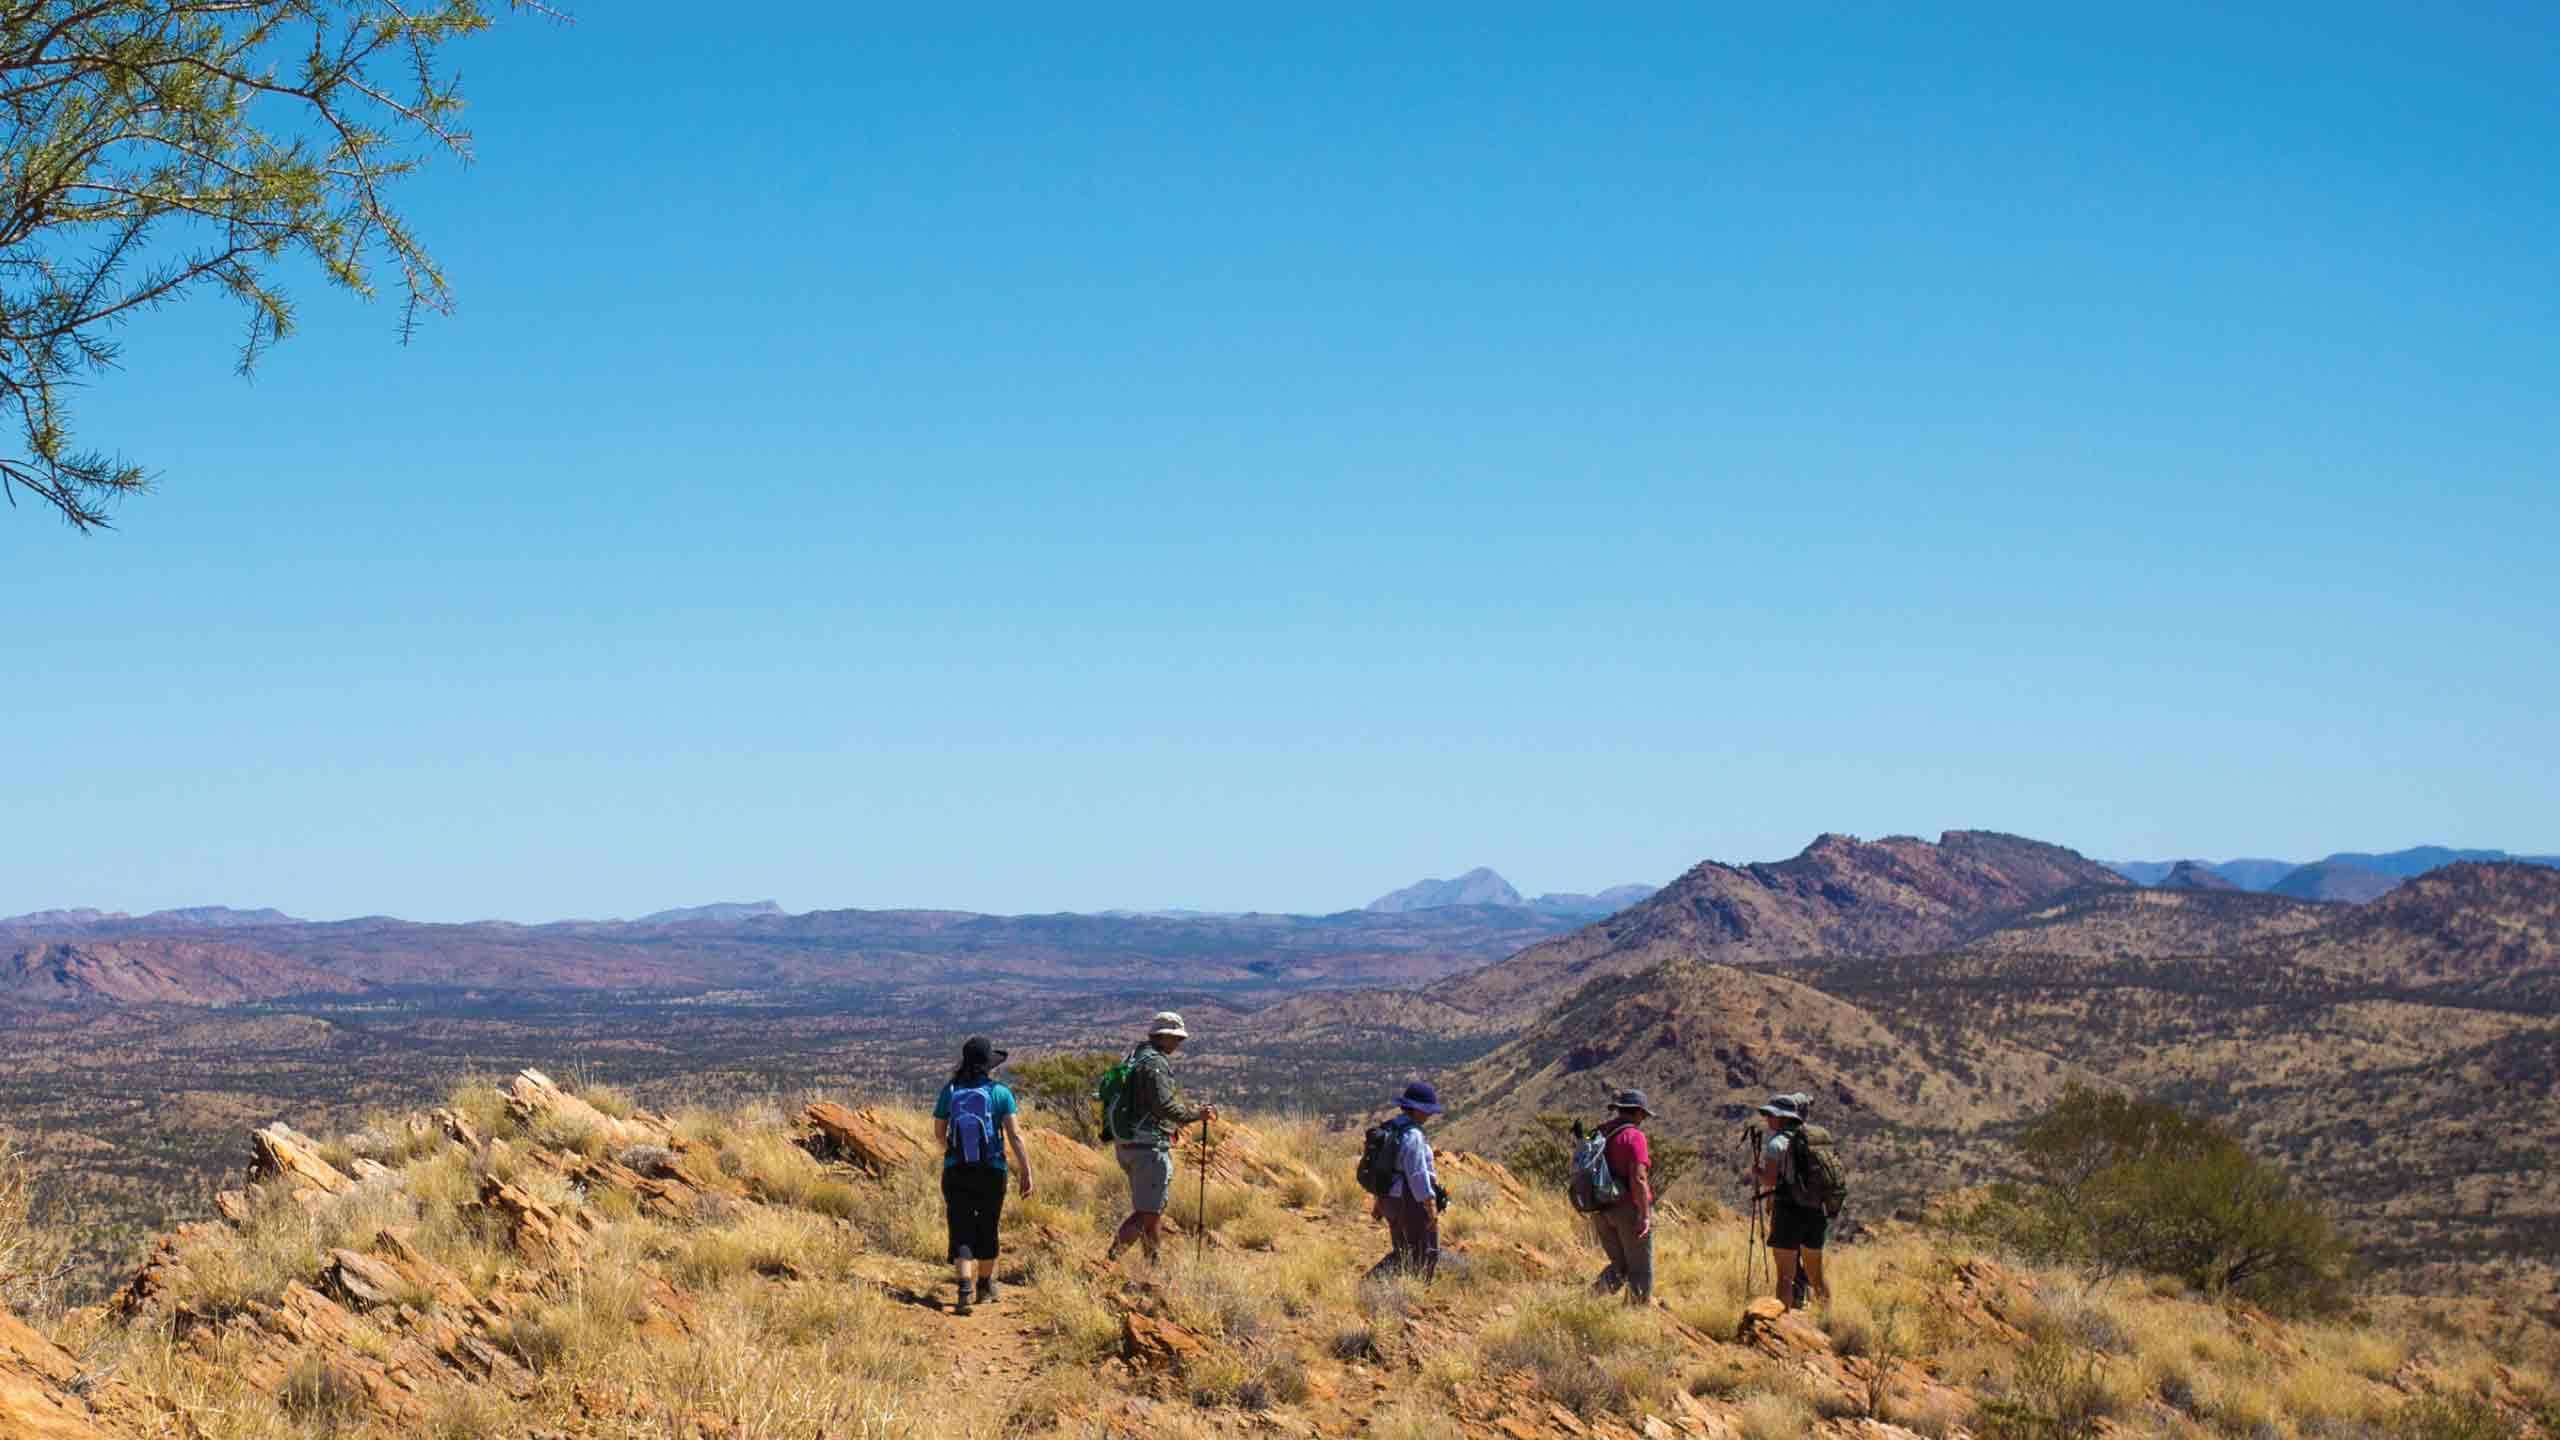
<point>1143,1126</point>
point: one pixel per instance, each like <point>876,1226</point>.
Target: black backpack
<point>1381,1154</point>
<point>1815,1178</point>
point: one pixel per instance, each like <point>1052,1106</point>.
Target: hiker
<point>1143,1126</point>
<point>1796,1230</point>
<point>973,1118</point>
<point>1626,1227</point>
<point>1412,1200</point>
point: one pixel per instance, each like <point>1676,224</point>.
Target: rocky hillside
<point>2487,929</point>
<point>1710,1042</point>
<point>154,971</point>
<point>530,1261</point>
<point>1841,896</point>
<point>2320,1032</point>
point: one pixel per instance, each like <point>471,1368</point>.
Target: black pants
<point>973,1203</point>
<point>1797,1227</point>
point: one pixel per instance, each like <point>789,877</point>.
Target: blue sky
<point>1046,460</point>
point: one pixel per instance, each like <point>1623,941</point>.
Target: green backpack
<point>1815,1178</point>
<point>1110,1092</point>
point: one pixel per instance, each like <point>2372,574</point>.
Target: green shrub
<point>1061,1088</point>
<point>2118,1183</point>
<point>1546,1157</point>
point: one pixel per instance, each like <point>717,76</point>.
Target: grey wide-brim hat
<point>1783,1107</point>
<point>1167,1023</point>
<point>1631,1100</point>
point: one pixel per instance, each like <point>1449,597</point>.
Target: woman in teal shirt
<point>973,1117</point>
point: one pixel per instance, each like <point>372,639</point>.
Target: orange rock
<point>287,1154</point>
<point>1151,1344</point>
<point>457,1129</point>
<point>533,1096</point>
<point>37,1401</point>
<point>856,1138</point>
<point>362,1280</point>
<point>1771,1328</point>
<point>540,1234</point>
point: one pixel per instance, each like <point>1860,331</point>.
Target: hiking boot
<point>961,1305</point>
<point>986,1290</point>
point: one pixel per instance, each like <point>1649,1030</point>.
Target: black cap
<point>980,1053</point>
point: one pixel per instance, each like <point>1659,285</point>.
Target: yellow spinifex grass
<point>815,1303</point>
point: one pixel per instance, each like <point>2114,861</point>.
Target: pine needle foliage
<point>159,149</point>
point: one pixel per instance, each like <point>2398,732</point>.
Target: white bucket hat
<point>1168,1023</point>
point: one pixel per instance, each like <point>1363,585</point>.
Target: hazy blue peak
<point>1480,886</point>
<point>2414,861</point>
<point>718,912</point>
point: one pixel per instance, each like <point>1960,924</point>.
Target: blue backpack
<point>975,1138</point>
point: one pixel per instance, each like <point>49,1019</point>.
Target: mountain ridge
<point>1895,894</point>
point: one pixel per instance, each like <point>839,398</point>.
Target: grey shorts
<point>1150,1173</point>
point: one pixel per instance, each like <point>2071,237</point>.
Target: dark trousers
<point>973,1203</point>
<point>1414,1228</point>
<point>1630,1254</point>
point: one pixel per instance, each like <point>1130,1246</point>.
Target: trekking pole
<point>1751,1209</point>
<point>1200,1233</point>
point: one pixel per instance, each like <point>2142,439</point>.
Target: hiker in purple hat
<point>1411,1204</point>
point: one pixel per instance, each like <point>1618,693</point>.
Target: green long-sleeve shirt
<point>1156,1107</point>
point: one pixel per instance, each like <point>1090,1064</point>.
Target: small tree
<point>1061,1087</point>
<point>34,1257</point>
<point>159,148</point>
<point>2119,1183</point>
<point>1545,1156</point>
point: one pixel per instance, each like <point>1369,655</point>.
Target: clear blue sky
<point>1037,460</point>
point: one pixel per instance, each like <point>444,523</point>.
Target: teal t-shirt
<point>1001,1106</point>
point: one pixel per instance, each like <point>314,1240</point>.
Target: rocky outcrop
<point>1148,1343</point>
<point>861,1138</point>
<point>44,1395</point>
<point>287,1155</point>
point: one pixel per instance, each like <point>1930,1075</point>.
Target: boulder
<point>1151,1344</point>
<point>40,1395</point>
<point>859,1138</point>
<point>541,1235</point>
<point>533,1097</point>
<point>458,1130</point>
<point>363,1281</point>
<point>288,1155</point>
<point>1769,1327</point>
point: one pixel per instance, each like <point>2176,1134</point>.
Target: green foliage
<point>1061,1088</point>
<point>2119,1184</point>
<point>34,1257</point>
<point>1546,1157</point>
<point>161,148</point>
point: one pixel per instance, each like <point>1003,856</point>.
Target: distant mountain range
<point>193,917</point>
<point>1482,886</point>
<point>2351,876</point>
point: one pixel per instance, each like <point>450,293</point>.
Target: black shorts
<point>973,1205</point>
<point>1796,1227</point>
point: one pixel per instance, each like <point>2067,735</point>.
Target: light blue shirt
<point>1414,1178</point>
